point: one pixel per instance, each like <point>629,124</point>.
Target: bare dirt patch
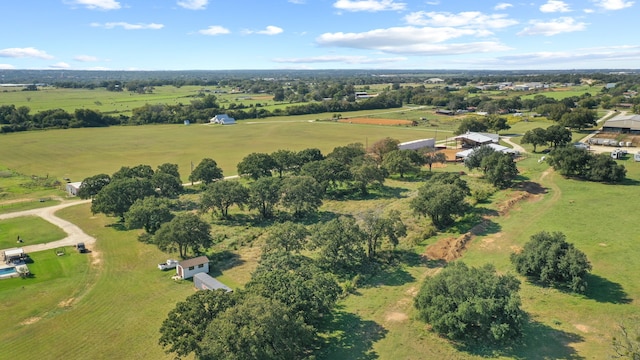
<point>31,320</point>
<point>396,317</point>
<point>376,121</point>
<point>66,303</point>
<point>96,258</point>
<point>583,328</point>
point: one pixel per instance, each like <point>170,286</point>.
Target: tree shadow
<point>389,276</point>
<point>539,341</point>
<point>477,223</point>
<point>224,260</point>
<point>378,192</point>
<point>532,188</point>
<point>605,291</point>
<point>351,337</point>
<point>628,182</point>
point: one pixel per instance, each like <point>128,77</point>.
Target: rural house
<point>204,281</point>
<point>187,268</point>
<point>72,188</point>
<point>222,119</point>
<point>461,155</point>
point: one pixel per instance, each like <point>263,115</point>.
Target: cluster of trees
<point>556,135</point>
<point>283,308</point>
<point>441,198</point>
<point>491,122</point>
<point>277,316</point>
<point>575,162</point>
<point>14,119</point>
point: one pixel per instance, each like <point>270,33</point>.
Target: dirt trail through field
<point>450,249</point>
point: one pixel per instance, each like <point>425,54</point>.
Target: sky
<point>319,34</point>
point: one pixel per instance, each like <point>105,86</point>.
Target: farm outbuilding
<point>204,281</point>
<point>72,188</point>
<point>496,147</point>
<point>187,268</point>
<point>222,119</point>
<point>625,124</point>
<point>474,139</point>
<point>417,144</point>
<point>14,254</point>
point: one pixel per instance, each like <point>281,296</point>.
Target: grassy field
<point>31,229</point>
<point>73,153</point>
<point>114,299</point>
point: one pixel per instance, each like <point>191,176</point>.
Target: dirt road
<point>74,233</point>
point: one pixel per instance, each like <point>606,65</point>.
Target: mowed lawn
<point>79,153</point>
<point>31,229</point>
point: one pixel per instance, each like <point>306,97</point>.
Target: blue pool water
<point>7,271</point>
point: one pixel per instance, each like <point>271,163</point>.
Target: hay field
<point>78,153</point>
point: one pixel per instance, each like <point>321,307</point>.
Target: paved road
<point>74,233</point>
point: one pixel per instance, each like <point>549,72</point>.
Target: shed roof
<point>194,262</point>
<point>479,138</point>
<point>210,283</point>
<point>496,147</point>
<point>14,252</point>
<point>624,121</point>
<point>75,184</point>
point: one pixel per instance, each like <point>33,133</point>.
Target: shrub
<point>550,259</point>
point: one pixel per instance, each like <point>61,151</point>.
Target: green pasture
<point>114,299</point>
<point>31,229</point>
<point>561,93</point>
<point>79,153</point>
<point>19,191</point>
<point>97,99</point>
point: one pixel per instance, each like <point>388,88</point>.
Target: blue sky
<point>318,34</point>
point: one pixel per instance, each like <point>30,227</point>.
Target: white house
<point>222,119</point>
<point>204,281</point>
<point>10,255</point>
<point>72,188</point>
<point>187,268</point>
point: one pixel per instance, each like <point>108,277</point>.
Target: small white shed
<point>222,119</point>
<point>187,268</point>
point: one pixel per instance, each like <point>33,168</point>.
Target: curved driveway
<point>74,233</point>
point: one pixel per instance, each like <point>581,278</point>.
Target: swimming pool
<point>8,272</point>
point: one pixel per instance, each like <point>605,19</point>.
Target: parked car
<point>170,264</point>
<point>81,248</point>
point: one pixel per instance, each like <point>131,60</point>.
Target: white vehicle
<point>170,264</point>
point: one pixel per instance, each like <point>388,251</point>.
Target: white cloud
<point>467,19</point>
<point>99,4</point>
<point>340,58</point>
<point>85,58</point>
<point>24,52</point>
<point>99,68</point>
<point>214,30</point>
<point>588,11</point>
<point>502,6</point>
<point>60,65</point>
<point>585,56</point>
<point>553,6</point>
<point>369,5</point>
<point>297,1</point>
<point>613,4</point>
<point>129,26</point>
<point>411,40</point>
<point>193,4</point>
<point>269,30</point>
<point>553,27</point>
<point>6,67</point>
